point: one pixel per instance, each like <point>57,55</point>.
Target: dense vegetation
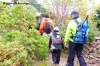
<point>20,43</point>
<point>97,19</point>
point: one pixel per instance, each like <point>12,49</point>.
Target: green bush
<point>17,24</point>
<point>11,53</point>
<point>64,28</point>
<point>42,49</point>
<point>91,36</point>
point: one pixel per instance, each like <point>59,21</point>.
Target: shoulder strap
<point>53,42</point>
<point>86,19</point>
<point>76,22</point>
<point>52,37</point>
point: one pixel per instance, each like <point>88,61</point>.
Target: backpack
<point>38,24</point>
<point>56,42</point>
<point>81,36</point>
<point>48,28</point>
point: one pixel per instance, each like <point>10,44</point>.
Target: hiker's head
<point>46,15</point>
<point>56,29</point>
<point>74,14</point>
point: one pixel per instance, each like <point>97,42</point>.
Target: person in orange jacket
<point>46,25</point>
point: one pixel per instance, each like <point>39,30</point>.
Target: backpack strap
<point>76,21</point>
<point>53,42</point>
<point>86,19</point>
<point>79,26</point>
<point>53,37</point>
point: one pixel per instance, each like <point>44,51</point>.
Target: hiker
<point>41,17</point>
<point>46,25</point>
<point>56,44</point>
<point>74,47</point>
<point>39,22</point>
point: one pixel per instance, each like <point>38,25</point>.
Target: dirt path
<point>92,58</point>
<point>63,60</point>
<point>48,61</point>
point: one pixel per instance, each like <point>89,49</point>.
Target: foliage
<point>91,36</point>
<point>37,6</point>
<point>93,27</point>
<point>93,31</point>
<point>98,13</point>
<point>15,0</point>
<point>97,19</point>
<point>12,53</point>
<point>18,34</point>
<point>61,9</point>
<point>64,28</point>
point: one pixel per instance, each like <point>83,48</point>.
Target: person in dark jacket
<point>56,47</point>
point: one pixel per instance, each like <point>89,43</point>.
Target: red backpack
<point>57,41</point>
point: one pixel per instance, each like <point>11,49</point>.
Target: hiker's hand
<point>51,50</point>
<point>66,45</point>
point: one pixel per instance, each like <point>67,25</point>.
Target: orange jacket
<point>43,24</point>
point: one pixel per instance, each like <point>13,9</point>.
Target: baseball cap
<point>74,12</point>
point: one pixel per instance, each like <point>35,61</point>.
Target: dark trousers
<point>75,48</point>
<point>56,56</point>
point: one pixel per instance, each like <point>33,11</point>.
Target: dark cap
<point>75,12</point>
<point>46,15</point>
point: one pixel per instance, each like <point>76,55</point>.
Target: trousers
<point>56,56</point>
<point>75,48</point>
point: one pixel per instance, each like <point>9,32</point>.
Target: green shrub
<point>91,36</point>
<point>42,48</point>
<point>18,24</point>
<point>12,52</point>
<point>64,28</point>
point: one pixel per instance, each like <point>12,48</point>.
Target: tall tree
<point>36,5</point>
<point>59,9</point>
<point>15,0</point>
<point>62,8</point>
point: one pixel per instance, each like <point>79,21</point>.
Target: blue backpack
<point>81,36</point>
